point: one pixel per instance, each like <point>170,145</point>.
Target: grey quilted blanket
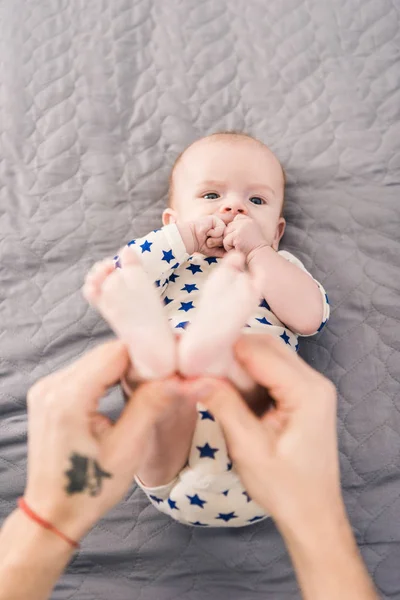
<point>97,99</point>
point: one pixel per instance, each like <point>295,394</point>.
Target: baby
<point>217,272</point>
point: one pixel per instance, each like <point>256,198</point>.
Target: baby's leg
<point>128,301</point>
<point>228,300</point>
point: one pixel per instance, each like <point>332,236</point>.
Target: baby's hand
<point>198,233</point>
<point>243,234</point>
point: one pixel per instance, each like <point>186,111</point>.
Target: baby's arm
<point>163,250</point>
<point>293,295</point>
<point>160,252</point>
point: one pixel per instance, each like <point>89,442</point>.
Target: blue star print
<point>190,287</point>
<point>229,466</point>
<point>168,256</point>
<point>197,501</point>
<point>263,321</point>
<point>186,306</point>
<point>285,338</point>
<point>206,415</point>
<point>156,499</point>
<point>175,266</point>
<point>206,451</point>
<point>182,325</point>
<point>322,325</point>
<point>131,242</point>
<point>173,277</point>
<point>194,269</point>
<point>225,493</point>
<point>167,300</point>
<point>247,496</point>
<point>158,283</point>
<point>264,304</point>
<point>199,524</point>
<point>226,516</point>
<point>146,246</point>
<point>296,347</point>
<point>254,519</point>
<point>172,504</point>
<point>210,260</point>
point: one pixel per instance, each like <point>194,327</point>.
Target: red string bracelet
<point>32,515</point>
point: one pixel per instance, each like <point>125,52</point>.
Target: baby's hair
<point>232,133</point>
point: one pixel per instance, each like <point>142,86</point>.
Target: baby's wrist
<point>257,252</point>
<point>186,231</point>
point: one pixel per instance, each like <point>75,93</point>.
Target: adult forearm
<point>291,293</point>
<point>31,559</point>
<point>327,562</point>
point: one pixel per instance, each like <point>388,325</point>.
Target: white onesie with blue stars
<point>208,491</point>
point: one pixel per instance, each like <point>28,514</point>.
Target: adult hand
<point>243,234</point>
<point>288,461</point>
<point>288,458</point>
<point>79,463</point>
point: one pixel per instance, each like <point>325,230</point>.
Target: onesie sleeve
<point>325,300</point>
<point>161,252</point>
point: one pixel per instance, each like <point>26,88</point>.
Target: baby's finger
<point>217,231</point>
<point>213,243</point>
<point>229,242</point>
<point>229,228</point>
<point>218,252</point>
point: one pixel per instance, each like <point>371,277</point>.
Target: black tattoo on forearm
<point>85,474</point>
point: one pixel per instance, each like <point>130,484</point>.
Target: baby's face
<point>227,176</point>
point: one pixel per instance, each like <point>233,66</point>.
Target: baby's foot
<point>228,300</point>
<point>128,301</point>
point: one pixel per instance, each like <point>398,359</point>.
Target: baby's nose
<point>233,208</point>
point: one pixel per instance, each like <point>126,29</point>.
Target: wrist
<point>24,534</point>
<point>259,252</point>
<point>189,239</point>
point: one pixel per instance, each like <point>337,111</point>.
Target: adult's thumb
<point>127,439</point>
<point>240,426</point>
<point>100,425</point>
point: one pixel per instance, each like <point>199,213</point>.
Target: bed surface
<point>96,101</point>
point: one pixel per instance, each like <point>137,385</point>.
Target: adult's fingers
<point>280,370</point>
<point>100,425</point>
<point>241,427</point>
<point>126,440</point>
<point>84,382</point>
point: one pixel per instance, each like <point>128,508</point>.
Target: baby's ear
<point>280,230</point>
<point>169,216</point>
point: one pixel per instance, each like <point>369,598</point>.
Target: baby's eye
<point>257,200</point>
<point>211,196</point>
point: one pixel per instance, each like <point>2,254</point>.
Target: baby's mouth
<point>226,218</point>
